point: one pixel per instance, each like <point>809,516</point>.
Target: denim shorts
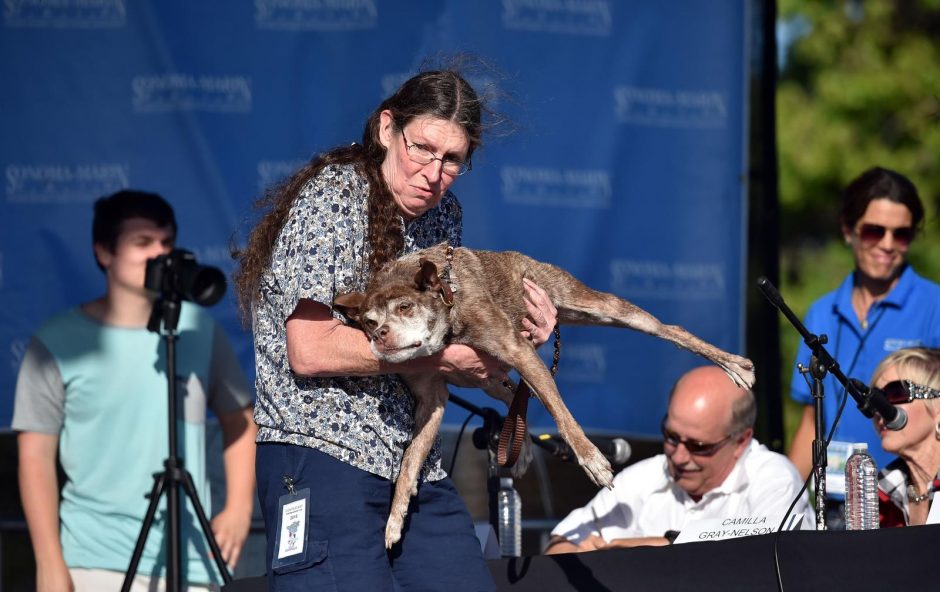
<point>346,529</point>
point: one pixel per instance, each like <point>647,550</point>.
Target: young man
<point>711,468</point>
<point>93,388</point>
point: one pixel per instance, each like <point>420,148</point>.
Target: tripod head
<point>175,277</point>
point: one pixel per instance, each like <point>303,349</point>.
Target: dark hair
<point>439,93</point>
<point>112,210</point>
<point>879,183</point>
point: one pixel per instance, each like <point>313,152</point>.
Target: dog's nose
<point>380,333</point>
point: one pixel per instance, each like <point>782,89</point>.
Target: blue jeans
<point>346,529</point>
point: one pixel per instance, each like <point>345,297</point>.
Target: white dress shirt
<point>645,501</point>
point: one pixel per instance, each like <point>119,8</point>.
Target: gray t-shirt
<point>321,252</point>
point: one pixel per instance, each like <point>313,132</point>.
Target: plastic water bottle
<point>861,490</point>
<point>510,519</point>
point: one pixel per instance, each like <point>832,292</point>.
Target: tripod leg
<point>159,486</point>
<point>206,526</point>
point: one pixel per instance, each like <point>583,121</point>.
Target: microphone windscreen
<point>620,451</point>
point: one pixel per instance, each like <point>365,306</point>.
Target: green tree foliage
<point>860,88</point>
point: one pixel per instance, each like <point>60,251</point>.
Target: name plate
<point>717,529</point>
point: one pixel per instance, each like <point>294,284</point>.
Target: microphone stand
<point>166,310</point>
<point>821,362</point>
<point>485,438</point>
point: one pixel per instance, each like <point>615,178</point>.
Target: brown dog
<point>405,313</point>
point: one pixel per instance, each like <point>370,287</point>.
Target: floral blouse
<point>322,251</point>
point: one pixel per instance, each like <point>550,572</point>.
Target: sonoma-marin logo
<point>660,107</point>
<point>190,92</point>
<point>570,17</point>
<point>316,15</point>
<point>668,280</point>
<point>63,183</point>
<point>65,14</point>
<point>552,186</point>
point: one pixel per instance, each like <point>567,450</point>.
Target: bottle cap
<point>860,446</point>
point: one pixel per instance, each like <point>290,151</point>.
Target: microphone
<point>617,450</point>
<point>770,291</point>
<point>894,417</point>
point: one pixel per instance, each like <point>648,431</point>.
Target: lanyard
<point>855,356</point>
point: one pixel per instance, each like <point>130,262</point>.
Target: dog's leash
<point>514,431</point>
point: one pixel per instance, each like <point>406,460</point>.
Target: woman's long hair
<point>442,94</point>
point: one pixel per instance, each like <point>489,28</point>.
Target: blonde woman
<point>910,378</point>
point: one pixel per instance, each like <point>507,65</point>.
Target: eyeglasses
<point>899,392</point>
<point>421,155</point>
<point>670,438</point>
<point>871,234</point>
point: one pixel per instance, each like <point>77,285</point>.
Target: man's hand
<point>54,578</point>
<point>230,528</point>
<point>636,542</point>
<point>592,542</point>
<point>231,525</point>
<point>559,544</point>
<point>595,542</point>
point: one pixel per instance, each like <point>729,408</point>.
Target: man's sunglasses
<point>672,439</point>
<point>898,392</point>
<point>871,234</point>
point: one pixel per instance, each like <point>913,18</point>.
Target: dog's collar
<point>447,286</point>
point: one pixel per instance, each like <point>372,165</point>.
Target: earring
<point>936,431</point>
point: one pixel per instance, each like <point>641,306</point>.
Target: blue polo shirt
<point>909,316</point>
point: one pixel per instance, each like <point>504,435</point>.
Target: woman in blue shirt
<point>882,306</point>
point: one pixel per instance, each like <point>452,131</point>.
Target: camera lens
<point>205,286</point>
<point>178,276</point>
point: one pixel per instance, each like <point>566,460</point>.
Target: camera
<point>178,276</point>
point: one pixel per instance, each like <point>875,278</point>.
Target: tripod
<point>166,311</point>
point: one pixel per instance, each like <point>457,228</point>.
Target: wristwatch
<point>671,535</point>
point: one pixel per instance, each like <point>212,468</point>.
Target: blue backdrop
<point>628,166</point>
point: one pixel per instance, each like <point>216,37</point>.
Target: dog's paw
<point>740,371</point>
<point>393,530</point>
<point>598,469</point>
<point>525,458</point>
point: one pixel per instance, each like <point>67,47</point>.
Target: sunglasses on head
<point>872,234</point>
<point>898,392</point>
<point>672,439</point>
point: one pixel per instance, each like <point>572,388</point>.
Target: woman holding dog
<point>882,306</point>
<point>333,419</point>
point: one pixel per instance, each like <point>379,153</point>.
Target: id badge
<point>290,544</point>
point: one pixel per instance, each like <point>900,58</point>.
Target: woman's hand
<point>540,323</point>
<point>464,366</point>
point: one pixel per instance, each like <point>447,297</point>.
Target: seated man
<point>712,468</point>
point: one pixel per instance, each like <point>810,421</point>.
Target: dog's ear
<point>349,304</point>
<point>427,278</point>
